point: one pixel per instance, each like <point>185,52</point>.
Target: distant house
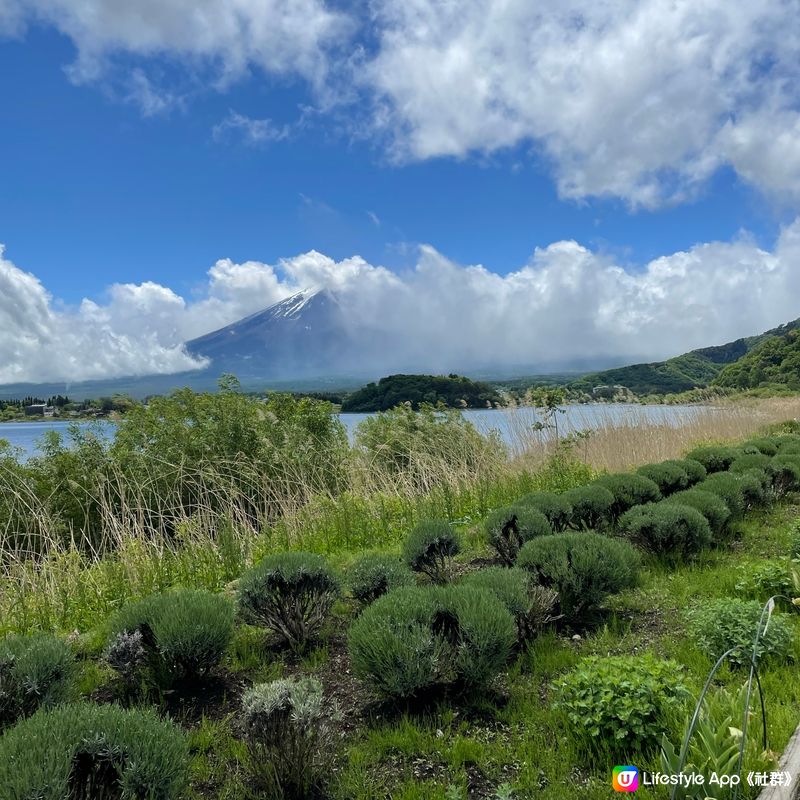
<point>609,392</point>
<point>39,410</point>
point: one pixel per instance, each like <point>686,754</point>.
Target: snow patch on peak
<point>293,305</point>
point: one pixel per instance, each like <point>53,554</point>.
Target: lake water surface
<point>512,425</point>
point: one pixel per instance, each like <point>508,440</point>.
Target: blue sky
<point>85,175</point>
<point>142,145</point>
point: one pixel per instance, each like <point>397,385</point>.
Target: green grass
<point>515,739</point>
<point>528,744</point>
<point>513,743</point>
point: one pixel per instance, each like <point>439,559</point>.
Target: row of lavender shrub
<point>419,625</point>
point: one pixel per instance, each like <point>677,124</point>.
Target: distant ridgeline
<point>453,390</point>
<point>754,361</point>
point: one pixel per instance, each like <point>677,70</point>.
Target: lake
<point>512,425</point>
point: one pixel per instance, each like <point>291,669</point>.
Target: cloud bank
<point>637,99</point>
<point>566,304</point>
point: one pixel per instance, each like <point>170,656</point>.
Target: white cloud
<point>640,99</point>
<point>277,36</point>
<point>251,131</point>
<point>39,341</point>
<point>568,304</point>
<point>637,99</point>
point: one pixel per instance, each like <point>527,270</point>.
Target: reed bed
<point>606,442</point>
<point>202,524</point>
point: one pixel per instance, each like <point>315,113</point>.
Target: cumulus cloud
<point>567,305</point>
<point>637,99</point>
<point>39,341</point>
<point>277,36</point>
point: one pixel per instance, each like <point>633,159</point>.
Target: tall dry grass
<point>53,581</point>
<point>618,445</point>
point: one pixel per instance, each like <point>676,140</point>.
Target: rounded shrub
<point>756,485</point>
<point>480,631</point>
<point>669,476</point>
<point>669,530</point>
<point>374,575</point>
<point>181,634</point>
<point>93,751</point>
<point>531,606</point>
<point>714,459</point>
<point>750,461</point>
<point>785,470</point>
<point>584,568</point>
<point>591,507</point>
<point>35,671</point>
<point>288,736</point>
<point>720,625</point>
<point>788,444</point>
<point>710,505</point>
<point>694,470</point>
<point>626,700</point>
<point>508,584</point>
<point>430,549</point>
<point>509,528</point>
<point>767,446</point>
<point>408,641</point>
<point>629,490</point>
<point>393,646</point>
<point>289,594</point>
<point>728,488</point>
<point>556,507</point>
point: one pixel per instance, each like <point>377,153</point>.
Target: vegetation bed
<point>439,667</point>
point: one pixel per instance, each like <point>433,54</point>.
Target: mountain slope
<point>695,369</point>
<point>306,334</point>
<point>774,361</point>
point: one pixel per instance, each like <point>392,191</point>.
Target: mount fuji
<point>305,335</point>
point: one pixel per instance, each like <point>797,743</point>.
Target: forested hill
<point>453,390</point>
<point>773,362</point>
<point>696,369</point>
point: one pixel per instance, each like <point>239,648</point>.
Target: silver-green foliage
<point>669,476</point>
<point>288,735</point>
<point>184,633</point>
<point>373,575</point>
<point>531,605</point>
<point>93,751</point>
<point>709,504</point>
<point>669,530</point>
<point>35,671</point>
<point>584,568</point>
<point>508,528</point>
<point>714,458</point>
<point>290,594</point>
<point>556,507</point>
<point>416,637</point>
<point>591,507</point>
<point>430,547</point>
<point>629,490</point>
